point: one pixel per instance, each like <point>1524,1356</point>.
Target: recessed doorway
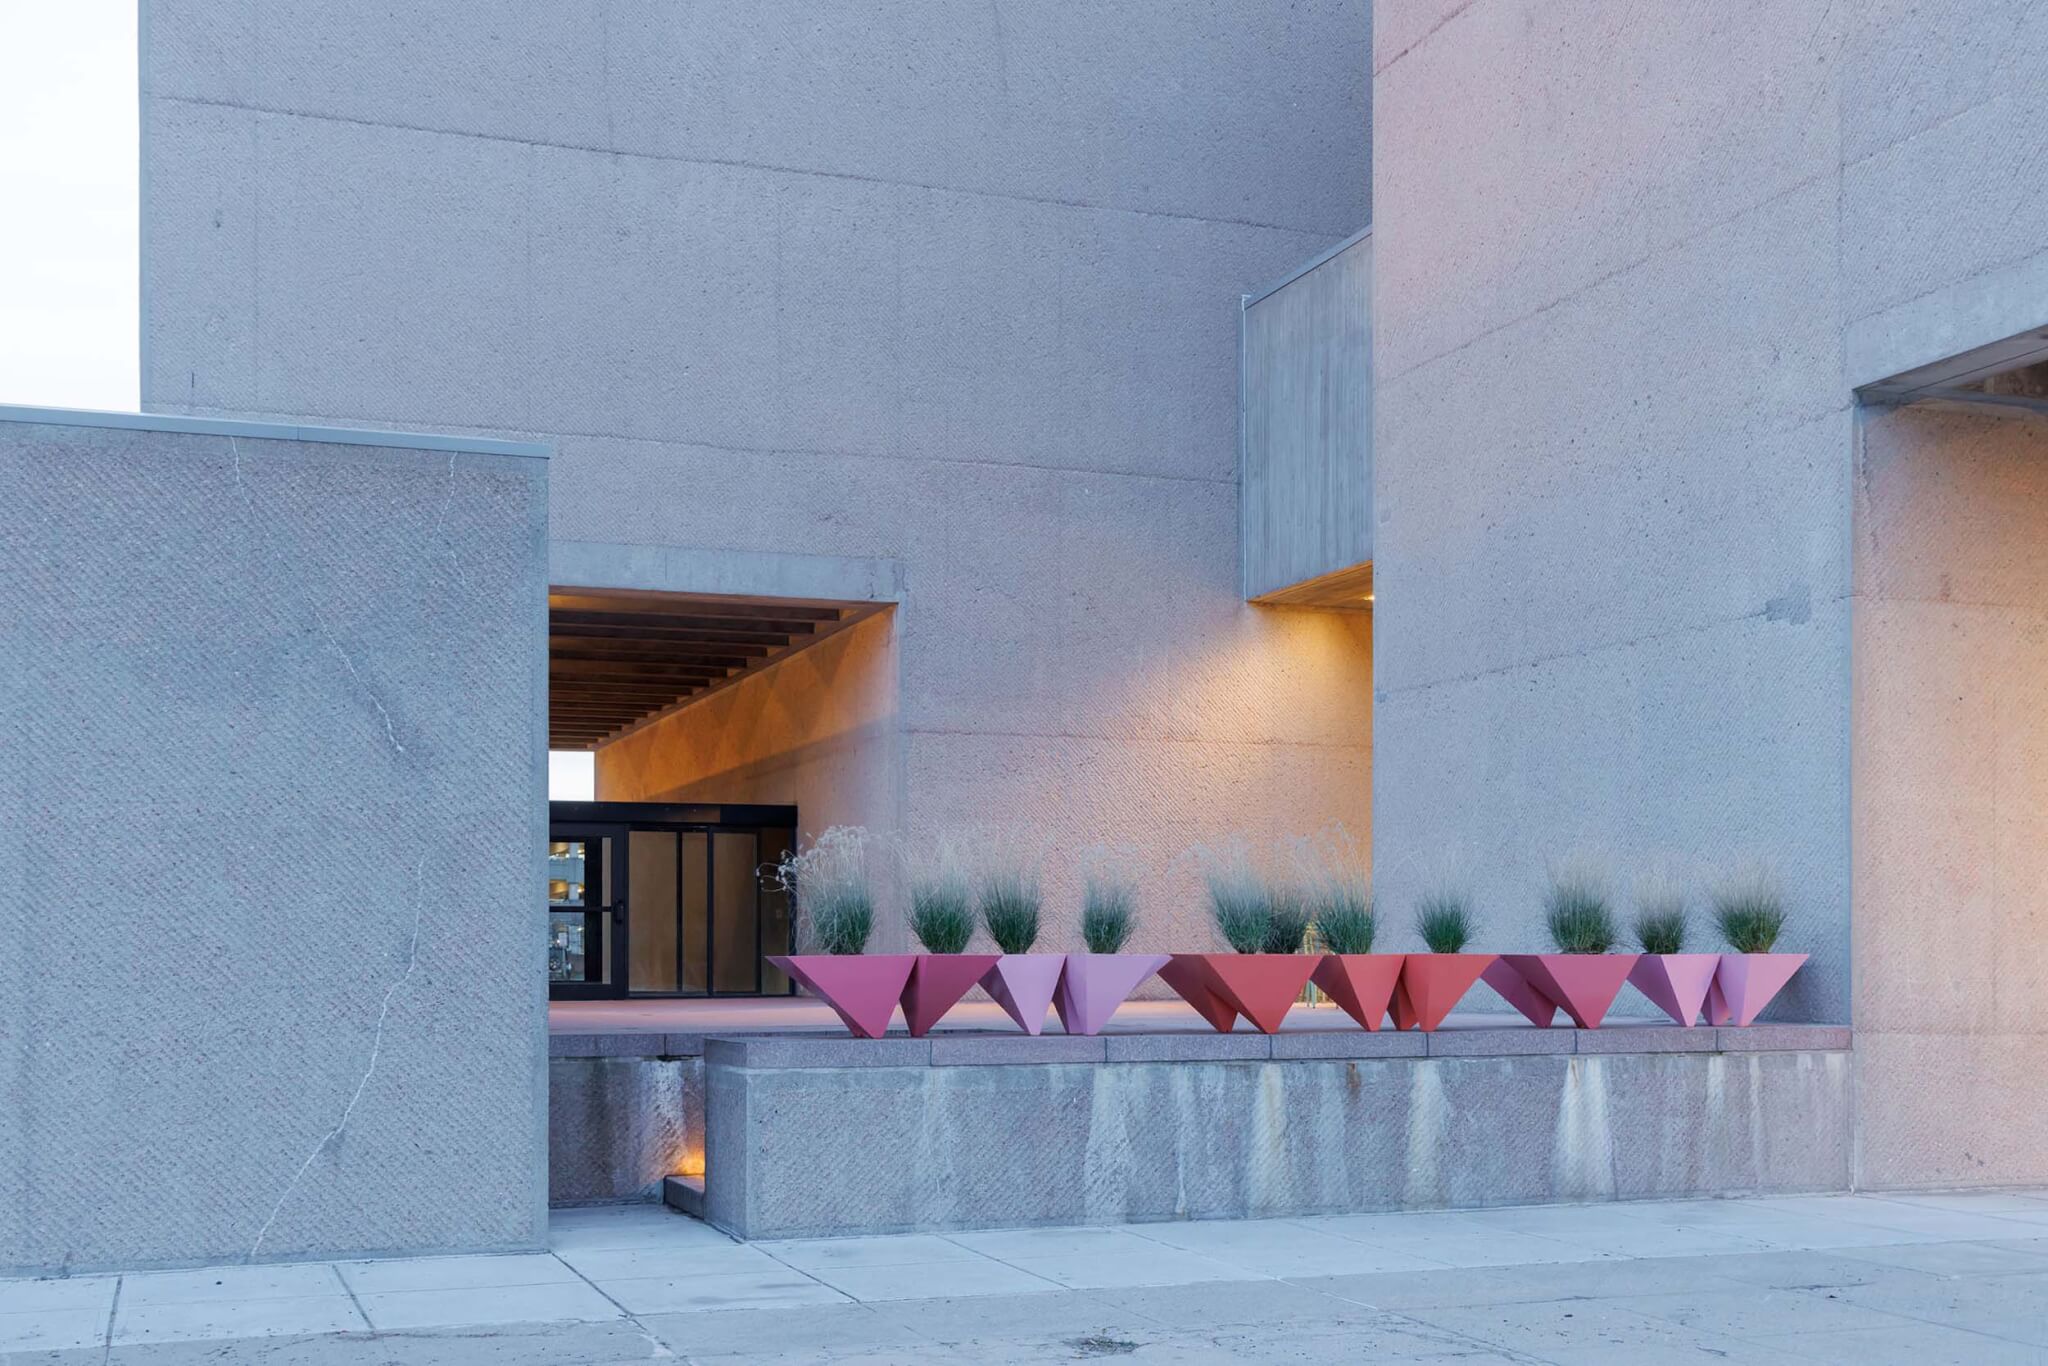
<point>648,900</point>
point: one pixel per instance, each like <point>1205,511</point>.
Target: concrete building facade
<point>1654,577</point>
<point>933,295</point>
<point>982,335</point>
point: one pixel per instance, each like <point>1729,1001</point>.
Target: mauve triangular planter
<point>1583,985</point>
<point>1023,985</point>
<point>1095,984</point>
<point>1262,987</point>
<point>1362,984</point>
<point>1189,976</point>
<point>1432,984</point>
<point>1676,983</point>
<point>861,988</point>
<point>1744,984</point>
<point>937,985</point>
<point>1535,1007</point>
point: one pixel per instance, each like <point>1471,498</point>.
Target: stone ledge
<point>963,1048</point>
<point>625,1044</point>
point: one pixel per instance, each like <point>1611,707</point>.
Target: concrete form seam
<point>1634,263</point>
<point>760,167</point>
<point>1652,637</point>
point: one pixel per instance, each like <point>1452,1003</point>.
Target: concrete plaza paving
<point>1870,1279</point>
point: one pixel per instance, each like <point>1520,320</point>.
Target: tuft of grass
<point>1749,910</point>
<point>942,904</point>
<point>1660,914</point>
<point>1008,899</point>
<point>834,895</point>
<point>1443,918</point>
<point>1287,920</point>
<point>1338,890</point>
<point>1254,913</point>
<point>1576,910</point>
<point>1345,918</point>
<point>1237,896</point>
<point>1109,912</point>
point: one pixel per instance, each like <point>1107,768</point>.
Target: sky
<point>69,204</point>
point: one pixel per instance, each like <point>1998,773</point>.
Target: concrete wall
<point>272,804</point>
<point>1951,778</point>
<point>815,1137</point>
<point>1612,441</point>
<point>1308,424</point>
<point>1623,303</point>
<point>951,286</point>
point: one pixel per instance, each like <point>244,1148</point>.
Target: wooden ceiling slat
<point>690,659</point>
<point>608,647</point>
<point>630,671</point>
<point>693,607</point>
<point>687,621</point>
<point>684,636</point>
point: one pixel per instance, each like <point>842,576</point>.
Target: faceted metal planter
<point>861,988</point>
<point>1095,984</point>
<point>1431,984</point>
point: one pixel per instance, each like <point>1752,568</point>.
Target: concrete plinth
<point>815,1137</point>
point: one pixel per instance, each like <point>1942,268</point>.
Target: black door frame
<point>593,822</point>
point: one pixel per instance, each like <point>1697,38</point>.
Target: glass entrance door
<point>580,912</point>
<point>644,906</point>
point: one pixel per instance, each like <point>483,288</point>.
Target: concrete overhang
<point>2012,372</point>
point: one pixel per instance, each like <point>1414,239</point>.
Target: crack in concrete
<point>319,618</point>
<point>441,522</point>
<point>412,962</point>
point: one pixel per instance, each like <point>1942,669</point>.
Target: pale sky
<point>69,204</point>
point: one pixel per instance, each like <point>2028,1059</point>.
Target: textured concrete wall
<point>955,286</point>
<point>811,1137</point>
<point>1612,440</point>
<point>617,1126</point>
<point>1308,425</point>
<point>1623,303</point>
<point>273,804</point>
<point>1951,730</point>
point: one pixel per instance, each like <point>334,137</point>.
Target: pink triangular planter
<point>1746,982</point>
<point>937,985</point>
<point>1536,1008</point>
<point>1676,983</point>
<point>1584,985</point>
<point>861,988</point>
<point>1023,985</point>
<point>1095,984</point>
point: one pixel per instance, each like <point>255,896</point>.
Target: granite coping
<point>647,1044</point>
<point>960,1049</point>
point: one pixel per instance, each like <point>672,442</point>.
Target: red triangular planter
<point>1362,984</point>
<point>861,988</point>
<point>1676,983</point>
<point>1536,1008</point>
<point>937,985</point>
<point>1584,985</point>
<point>1189,976</point>
<point>1432,983</point>
<point>1262,987</point>
<point>1745,983</point>
<point>1023,985</point>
